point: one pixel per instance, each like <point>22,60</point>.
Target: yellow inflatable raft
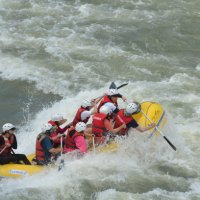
<point>19,170</point>
<point>153,110</point>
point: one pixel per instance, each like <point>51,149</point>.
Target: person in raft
<point>8,142</point>
<point>110,100</point>
<point>45,152</point>
<point>75,139</point>
<point>87,109</point>
<point>56,121</point>
<point>125,116</point>
<point>101,125</point>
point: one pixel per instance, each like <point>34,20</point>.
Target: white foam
<point>198,67</point>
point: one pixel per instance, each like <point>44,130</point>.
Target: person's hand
<point>124,125</point>
<point>59,135</point>
<point>66,132</point>
<point>152,125</point>
<point>93,101</point>
<point>8,145</point>
<point>124,98</point>
<point>60,149</point>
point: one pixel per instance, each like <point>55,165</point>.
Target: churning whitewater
<point>54,54</point>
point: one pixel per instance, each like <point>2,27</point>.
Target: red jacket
<point>106,99</point>
<point>78,116</point>
<point>98,126</point>
<point>12,141</point>
<point>58,131</point>
<point>120,119</point>
<point>70,139</point>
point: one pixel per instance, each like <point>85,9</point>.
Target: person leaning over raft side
<point>75,139</point>
<point>110,100</point>
<point>101,125</point>
<point>8,142</point>
<point>44,147</point>
<point>56,121</point>
<point>125,116</point>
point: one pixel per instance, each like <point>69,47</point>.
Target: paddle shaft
<point>93,143</point>
<point>3,150</point>
<point>173,147</point>
<point>62,160</point>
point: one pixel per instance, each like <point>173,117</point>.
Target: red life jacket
<point>7,151</point>
<point>78,116</point>
<point>54,134</point>
<point>120,119</point>
<point>98,124</point>
<point>52,123</point>
<point>39,150</point>
<point>72,134</point>
<point>106,99</point>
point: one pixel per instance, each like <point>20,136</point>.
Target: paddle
<point>93,143</point>
<point>3,150</point>
<point>62,162</point>
<point>113,86</point>
<point>173,147</point>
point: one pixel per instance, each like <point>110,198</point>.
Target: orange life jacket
<point>39,150</point>
<point>98,124</point>
<point>106,99</point>
<point>72,134</point>
<point>78,116</point>
<point>120,119</point>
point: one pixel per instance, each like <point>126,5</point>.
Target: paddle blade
<point>113,86</point>
<point>173,147</point>
<point>61,165</point>
<point>122,85</point>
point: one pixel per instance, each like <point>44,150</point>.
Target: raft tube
<point>155,113</point>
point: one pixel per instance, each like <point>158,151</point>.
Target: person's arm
<point>109,127</point>
<point>55,150</point>
<point>62,130</point>
<point>132,124</point>
<point>55,137</point>
<point>46,143</point>
<point>81,144</point>
<point>95,108</point>
<point>121,96</point>
<point>13,141</point>
<point>143,129</point>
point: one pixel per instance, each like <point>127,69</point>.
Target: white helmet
<point>85,103</point>
<point>113,92</point>
<point>105,109</point>
<point>7,127</point>
<point>46,127</point>
<point>80,126</point>
<point>57,117</point>
<point>132,108</point>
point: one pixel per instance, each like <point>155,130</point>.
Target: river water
<point>53,54</point>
